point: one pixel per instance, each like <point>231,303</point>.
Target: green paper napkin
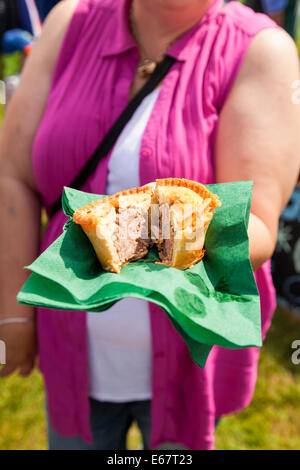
<point>214,303</point>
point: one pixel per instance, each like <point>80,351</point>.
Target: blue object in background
<point>15,40</point>
<point>274,6</point>
<point>44,6</point>
<point>267,6</point>
<point>24,15</point>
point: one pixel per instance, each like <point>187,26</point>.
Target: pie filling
<point>131,237</point>
<point>166,234</point>
<point>133,228</point>
<point>172,214</point>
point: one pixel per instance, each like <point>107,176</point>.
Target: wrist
<point>14,320</point>
<point>14,310</point>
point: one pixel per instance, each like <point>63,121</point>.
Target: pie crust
<point>191,207</point>
<point>184,209</point>
<point>102,220</point>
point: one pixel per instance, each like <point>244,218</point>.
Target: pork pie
<point>172,213</point>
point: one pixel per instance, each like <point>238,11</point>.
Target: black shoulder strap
<point>111,137</point>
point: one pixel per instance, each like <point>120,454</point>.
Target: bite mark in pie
<point>172,213</point>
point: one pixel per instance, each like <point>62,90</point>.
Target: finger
<point>26,369</point>
<point>6,371</point>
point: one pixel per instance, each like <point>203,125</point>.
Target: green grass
<point>272,421</point>
<point>22,417</point>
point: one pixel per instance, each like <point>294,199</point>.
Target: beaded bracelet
<point>7,321</point>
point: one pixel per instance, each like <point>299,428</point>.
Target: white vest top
<point>119,339</point>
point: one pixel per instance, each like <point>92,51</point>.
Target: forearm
<point>261,242</point>
<point>19,242</point>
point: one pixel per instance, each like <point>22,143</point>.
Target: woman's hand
<point>20,343</point>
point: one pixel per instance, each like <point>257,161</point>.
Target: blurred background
<point>272,421</point>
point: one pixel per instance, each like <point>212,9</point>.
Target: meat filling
<point>166,234</point>
<point>166,250</point>
<point>131,237</point>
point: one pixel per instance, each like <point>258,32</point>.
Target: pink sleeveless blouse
<point>90,88</point>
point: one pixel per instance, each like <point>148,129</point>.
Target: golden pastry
<point>171,213</point>
<point>186,209</point>
<point>117,226</point>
